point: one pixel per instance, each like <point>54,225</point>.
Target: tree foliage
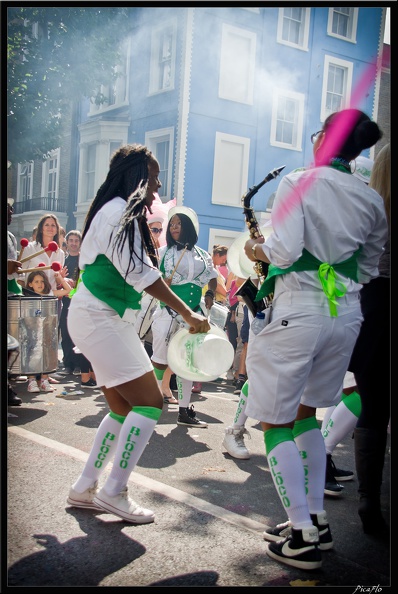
<point>56,56</point>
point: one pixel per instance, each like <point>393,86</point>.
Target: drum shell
<point>218,313</point>
<point>33,322</point>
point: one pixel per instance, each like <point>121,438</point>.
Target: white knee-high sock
<point>341,423</point>
<point>134,436</point>
<point>102,451</point>
<point>184,391</point>
<point>241,416</point>
<point>328,413</point>
<point>311,446</point>
<point>287,472</point>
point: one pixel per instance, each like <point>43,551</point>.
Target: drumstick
<point>176,266</point>
<point>24,243</point>
<point>52,247</point>
<point>56,266</point>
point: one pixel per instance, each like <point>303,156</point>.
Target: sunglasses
<point>315,136</point>
<point>156,230</point>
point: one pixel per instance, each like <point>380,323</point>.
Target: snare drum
<point>33,322</point>
<point>218,314</point>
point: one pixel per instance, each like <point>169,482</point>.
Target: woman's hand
<point>197,323</point>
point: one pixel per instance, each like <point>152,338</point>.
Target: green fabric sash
<point>14,287</point>
<point>332,287</point>
<point>104,281</point>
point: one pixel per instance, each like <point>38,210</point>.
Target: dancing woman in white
<point>118,262</point>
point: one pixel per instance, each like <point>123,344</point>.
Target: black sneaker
<point>284,530</point>
<point>89,384</point>
<point>13,399</point>
<point>65,371</point>
<point>239,385</point>
<point>300,549</point>
<point>338,473</point>
<point>187,416</point>
<point>332,487</point>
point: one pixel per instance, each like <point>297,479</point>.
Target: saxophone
<point>248,290</point>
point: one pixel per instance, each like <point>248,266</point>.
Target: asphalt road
<point>210,508</point>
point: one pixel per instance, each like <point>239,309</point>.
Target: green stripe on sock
<point>353,403</point>
<point>119,418</point>
<point>305,425</point>
<point>275,436</point>
<point>148,411</point>
<point>159,373</point>
<point>245,388</point>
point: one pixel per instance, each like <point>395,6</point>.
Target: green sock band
<point>245,388</point>
<point>275,436</point>
<point>305,425</point>
<point>119,418</point>
<point>353,403</point>
<point>148,411</point>
<point>159,373</point>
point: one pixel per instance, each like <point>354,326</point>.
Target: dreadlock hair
<point>127,178</point>
<point>188,236</point>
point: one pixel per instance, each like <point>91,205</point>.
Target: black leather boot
<point>370,448</point>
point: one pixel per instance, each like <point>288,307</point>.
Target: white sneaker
<point>32,386</point>
<point>85,499</point>
<point>45,386</point>
<point>121,505</point>
<point>234,444</point>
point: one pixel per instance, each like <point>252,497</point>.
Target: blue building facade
<point>222,96</point>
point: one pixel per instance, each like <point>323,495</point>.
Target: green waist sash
<point>106,283</point>
<point>332,287</point>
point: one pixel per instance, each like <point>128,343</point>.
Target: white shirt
<point>105,225</point>
<point>47,257</point>
<point>331,217</point>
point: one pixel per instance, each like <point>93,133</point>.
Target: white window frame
<point>118,88</point>
<point>346,95</point>
<point>237,65</point>
<point>47,170</point>
<point>101,133</point>
<point>298,124</point>
<point>157,62</point>
<point>25,171</point>
<point>152,139</point>
<point>353,23</point>
<point>222,237</point>
<point>231,166</point>
<point>304,28</point>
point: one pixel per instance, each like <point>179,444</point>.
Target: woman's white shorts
<point>110,343</point>
<point>299,357</point>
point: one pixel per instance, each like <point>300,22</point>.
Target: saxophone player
<point>323,248</point>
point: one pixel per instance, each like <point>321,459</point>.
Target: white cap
<point>362,168</point>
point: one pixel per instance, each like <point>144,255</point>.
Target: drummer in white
<point>187,269</point>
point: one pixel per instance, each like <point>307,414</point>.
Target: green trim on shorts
<point>353,403</point>
<point>305,425</point>
<point>148,411</point>
<point>245,388</point>
<point>119,418</point>
<point>275,436</point>
<point>159,373</point>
